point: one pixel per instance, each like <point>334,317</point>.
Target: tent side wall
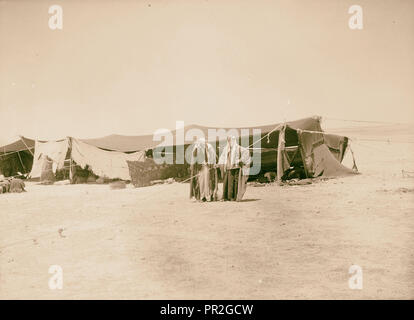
<point>108,164</point>
<point>12,163</point>
<point>323,153</point>
<point>16,157</point>
<point>54,151</point>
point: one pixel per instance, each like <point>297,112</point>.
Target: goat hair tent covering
<point>134,143</point>
<point>298,144</point>
<point>55,150</point>
<point>23,144</point>
<point>110,164</point>
<point>323,154</point>
<point>16,157</point>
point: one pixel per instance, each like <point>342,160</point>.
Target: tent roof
<point>123,143</point>
<point>136,143</point>
<point>18,145</point>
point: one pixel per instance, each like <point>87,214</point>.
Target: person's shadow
<point>248,200</point>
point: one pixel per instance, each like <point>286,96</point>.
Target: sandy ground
<point>280,243</point>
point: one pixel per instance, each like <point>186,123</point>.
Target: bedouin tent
<point>301,143</point>
<point>109,164</point>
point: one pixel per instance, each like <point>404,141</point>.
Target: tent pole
<point>280,149</point>
<point>70,171</point>
<point>302,153</point>
<point>21,162</point>
<point>21,138</point>
<point>70,165</point>
<point>354,167</point>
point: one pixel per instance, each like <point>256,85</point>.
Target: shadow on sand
<point>248,200</point>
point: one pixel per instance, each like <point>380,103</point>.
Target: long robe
<point>47,176</point>
<point>203,184</point>
<point>235,176</point>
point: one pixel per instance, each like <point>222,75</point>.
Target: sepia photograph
<point>200,150</point>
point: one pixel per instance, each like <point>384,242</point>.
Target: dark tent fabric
<point>138,143</point>
<point>301,139</point>
<point>20,145</point>
<point>310,140</point>
<point>12,163</point>
<point>15,157</point>
<point>299,147</point>
<point>325,164</point>
<point>323,153</point>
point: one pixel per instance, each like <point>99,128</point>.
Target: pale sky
<point>130,67</point>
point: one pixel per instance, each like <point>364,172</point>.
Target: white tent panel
<point>55,150</point>
<point>110,164</point>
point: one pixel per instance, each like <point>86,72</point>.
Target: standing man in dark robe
<point>203,172</point>
<point>235,164</point>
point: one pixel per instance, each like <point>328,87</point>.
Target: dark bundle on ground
<point>298,182</point>
<point>4,186</point>
<point>47,176</point>
<point>294,173</point>
<point>270,176</point>
<point>17,186</point>
<point>263,177</point>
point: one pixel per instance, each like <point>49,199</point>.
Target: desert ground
<point>281,242</point>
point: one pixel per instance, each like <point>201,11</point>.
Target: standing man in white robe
<point>235,165</point>
<point>204,181</point>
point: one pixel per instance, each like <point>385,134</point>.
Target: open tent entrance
<point>16,158</point>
